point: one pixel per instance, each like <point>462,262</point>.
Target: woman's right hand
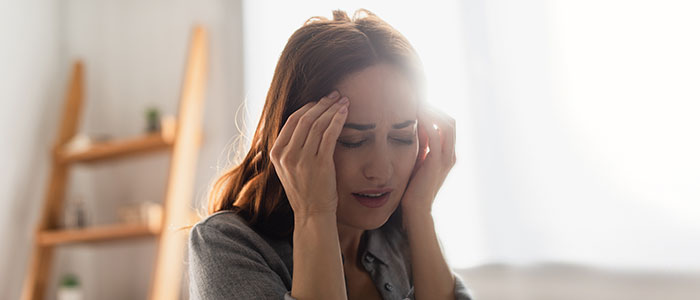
<point>303,155</point>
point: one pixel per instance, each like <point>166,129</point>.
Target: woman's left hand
<point>436,130</point>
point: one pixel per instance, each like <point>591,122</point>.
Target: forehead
<point>377,94</point>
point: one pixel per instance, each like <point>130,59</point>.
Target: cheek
<point>343,160</point>
<point>405,160</point>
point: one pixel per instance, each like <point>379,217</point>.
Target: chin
<point>367,219</point>
<point>365,223</point>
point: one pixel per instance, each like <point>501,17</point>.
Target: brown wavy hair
<point>316,58</point>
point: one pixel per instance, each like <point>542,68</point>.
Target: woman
<point>339,171</point>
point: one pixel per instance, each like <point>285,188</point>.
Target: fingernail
<point>343,110</point>
<point>334,95</point>
<point>344,100</point>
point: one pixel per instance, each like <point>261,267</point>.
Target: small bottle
<point>80,213</point>
<point>74,214</point>
<point>69,221</point>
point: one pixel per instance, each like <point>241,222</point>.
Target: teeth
<point>371,195</point>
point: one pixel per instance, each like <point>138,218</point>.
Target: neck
<point>349,238</point>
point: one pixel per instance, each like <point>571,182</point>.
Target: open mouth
<point>372,199</point>
<point>378,195</point>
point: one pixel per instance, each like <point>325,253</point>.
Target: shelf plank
<point>117,148</point>
<point>95,234</point>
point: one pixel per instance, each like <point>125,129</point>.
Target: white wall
<point>134,54</point>
<point>30,79</point>
<point>587,131</point>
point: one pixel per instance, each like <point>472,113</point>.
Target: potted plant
<point>70,288</point>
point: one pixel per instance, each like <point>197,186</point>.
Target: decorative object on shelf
<point>152,119</point>
<point>78,142</point>
<point>145,213</point>
<point>70,288</point>
<point>100,138</point>
<point>82,142</point>
<point>74,214</point>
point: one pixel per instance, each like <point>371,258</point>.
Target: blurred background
<point>578,173</point>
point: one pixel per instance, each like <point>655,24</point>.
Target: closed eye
<point>360,143</point>
<point>350,144</point>
<point>404,141</point>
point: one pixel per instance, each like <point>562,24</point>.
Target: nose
<point>378,168</point>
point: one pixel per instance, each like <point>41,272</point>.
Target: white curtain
<point>577,123</point>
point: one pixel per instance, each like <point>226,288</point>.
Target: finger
<point>453,148</point>
<point>321,125</point>
<point>305,121</point>
<point>423,132</point>
<point>326,147</point>
<point>422,148</point>
<point>432,132</point>
<point>288,128</point>
<point>446,125</point>
<point>422,140</point>
<point>286,133</point>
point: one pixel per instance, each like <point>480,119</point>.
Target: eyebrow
<point>372,126</point>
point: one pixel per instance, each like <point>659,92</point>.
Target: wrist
<point>416,210</point>
<point>315,217</point>
<point>416,217</point>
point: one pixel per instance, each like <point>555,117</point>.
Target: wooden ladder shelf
<point>182,142</point>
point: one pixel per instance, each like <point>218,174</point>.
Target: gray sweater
<point>229,260</point>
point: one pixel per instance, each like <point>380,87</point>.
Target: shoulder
<point>227,257</point>
<point>225,223</point>
<point>221,233</point>
<point>228,230</point>
<point>224,220</point>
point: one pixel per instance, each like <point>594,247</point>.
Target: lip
<point>373,202</point>
<point>376,191</point>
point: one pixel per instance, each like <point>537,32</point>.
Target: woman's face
<point>378,146</point>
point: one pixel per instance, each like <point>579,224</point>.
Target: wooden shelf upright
<point>182,142</point>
